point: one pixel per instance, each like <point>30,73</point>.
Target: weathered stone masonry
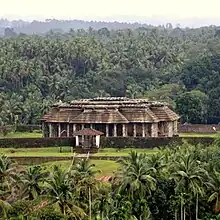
<point>115,116</point>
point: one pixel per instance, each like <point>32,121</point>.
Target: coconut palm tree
<point>189,177</point>
<point>4,207</point>
<point>215,191</point>
<point>60,191</point>
<point>83,175</point>
<point>33,181</point>
<point>136,183</point>
<point>8,173</point>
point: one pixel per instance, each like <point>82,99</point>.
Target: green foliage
<point>193,107</point>
<point>179,182</point>
<point>21,207</point>
<point>48,213</point>
<point>217,141</point>
<point>159,63</point>
<point>27,128</point>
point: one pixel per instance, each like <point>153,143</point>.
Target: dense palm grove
<point>176,183</point>
<point>177,65</point>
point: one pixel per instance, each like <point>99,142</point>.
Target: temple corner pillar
<point>175,127</point>
<point>170,129</point>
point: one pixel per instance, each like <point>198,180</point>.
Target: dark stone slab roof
<point>100,116</point>
<point>110,110</point>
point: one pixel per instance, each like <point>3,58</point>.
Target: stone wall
<point>140,142</point>
<point>36,142</point>
<point>115,142</point>
<point>198,128</point>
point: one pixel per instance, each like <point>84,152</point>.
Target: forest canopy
<point>179,66</point>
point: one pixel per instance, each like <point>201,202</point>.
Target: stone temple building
<point>114,116</point>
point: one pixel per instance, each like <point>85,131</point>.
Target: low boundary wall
<point>140,142</point>
<point>35,142</point>
<point>199,128</point>
<point>113,142</point>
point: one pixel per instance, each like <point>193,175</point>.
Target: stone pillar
<point>50,130</point>
<point>115,130</point>
<point>154,130</point>
<point>77,140</point>
<point>134,130</point>
<point>59,130</point>
<point>170,129</point>
<point>143,130</point>
<point>107,130</point>
<point>147,130</point>
<point>91,126</point>
<point>43,130</point>
<point>83,126</point>
<point>162,129</point>
<point>124,130</point>
<point>74,128</point>
<point>68,130</point>
<point>97,140</point>
<point>175,127</point>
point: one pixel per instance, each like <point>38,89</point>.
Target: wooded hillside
<point>180,66</point>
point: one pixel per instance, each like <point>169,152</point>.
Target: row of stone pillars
<point>153,133</point>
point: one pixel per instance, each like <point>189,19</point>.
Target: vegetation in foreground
<point>177,183</point>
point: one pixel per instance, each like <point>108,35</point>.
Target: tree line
<point>175,183</point>
<point>180,66</point>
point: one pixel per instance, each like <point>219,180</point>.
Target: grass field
<point>105,167</point>
<point>199,134</point>
<point>22,135</point>
<point>55,151</point>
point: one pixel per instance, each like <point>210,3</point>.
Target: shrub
<point>139,142</point>
<point>27,128</point>
<point>35,142</point>
<point>217,141</point>
<point>21,207</point>
<point>49,213</point>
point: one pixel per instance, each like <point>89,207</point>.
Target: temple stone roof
<point>100,116</point>
<point>110,110</point>
<point>164,113</point>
